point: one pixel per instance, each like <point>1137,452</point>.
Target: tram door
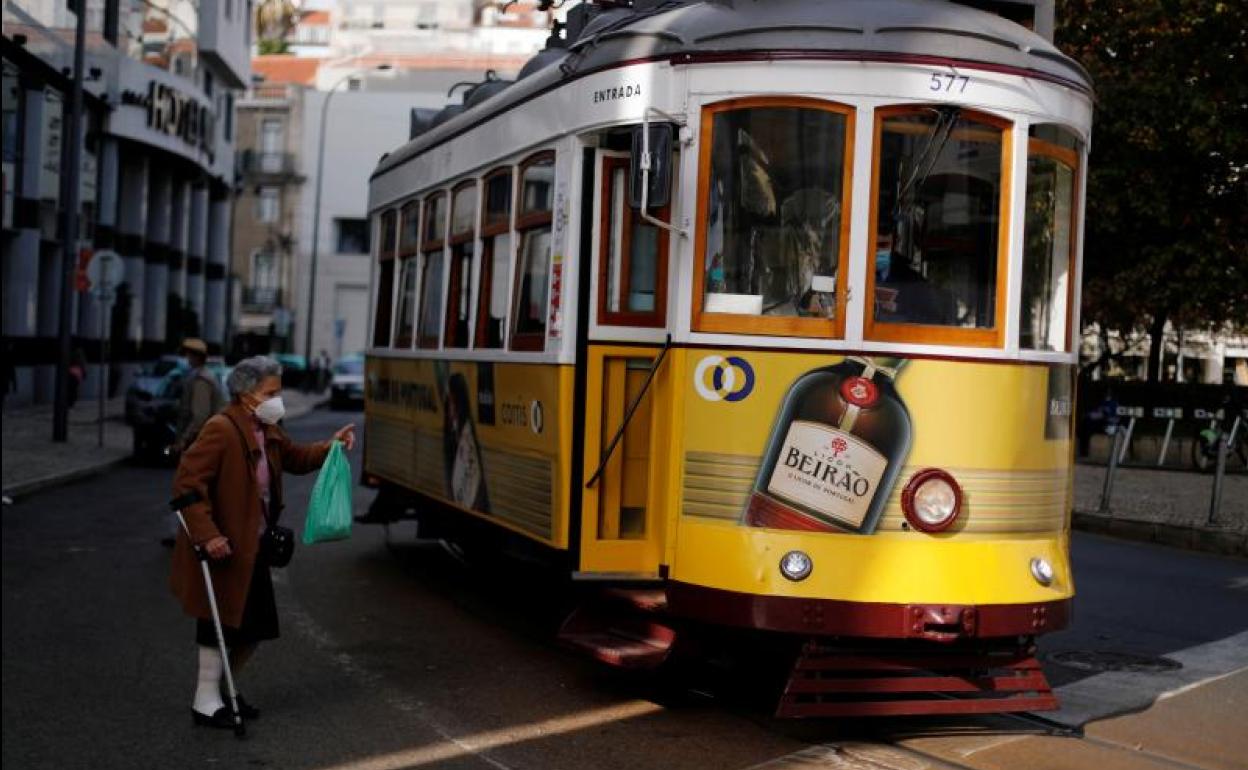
<point>626,407</point>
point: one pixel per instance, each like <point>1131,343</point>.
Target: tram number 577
<point>949,82</point>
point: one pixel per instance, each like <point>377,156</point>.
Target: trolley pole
<point>71,187</point>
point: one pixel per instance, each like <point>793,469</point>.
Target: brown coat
<point>223,472</point>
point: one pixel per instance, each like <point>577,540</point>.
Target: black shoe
<point>221,718</point>
<point>167,542</point>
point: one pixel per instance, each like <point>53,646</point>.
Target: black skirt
<point>259,615</point>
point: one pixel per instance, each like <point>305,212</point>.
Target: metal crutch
<point>177,504</point>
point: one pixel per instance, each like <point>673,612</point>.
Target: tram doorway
<point>627,390</point>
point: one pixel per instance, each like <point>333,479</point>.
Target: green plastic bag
<point>329,512</point>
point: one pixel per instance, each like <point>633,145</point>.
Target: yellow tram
<point>760,315</point>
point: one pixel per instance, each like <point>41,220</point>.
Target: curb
<point>1227,542</point>
<point>26,488</point>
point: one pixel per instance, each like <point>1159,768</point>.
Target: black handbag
<point>277,543</point>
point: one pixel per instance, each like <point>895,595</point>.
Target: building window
<point>351,235</point>
<point>271,141</point>
<point>268,205</point>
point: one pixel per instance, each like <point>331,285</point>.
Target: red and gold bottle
<point>837,446</point>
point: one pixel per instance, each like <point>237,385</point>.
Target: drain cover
<point>1106,660</point>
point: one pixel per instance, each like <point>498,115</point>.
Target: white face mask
<point>271,411</point>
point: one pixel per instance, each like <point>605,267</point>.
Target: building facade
<point>161,79</point>
<point>271,177</point>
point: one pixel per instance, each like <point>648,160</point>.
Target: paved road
<point>400,657</point>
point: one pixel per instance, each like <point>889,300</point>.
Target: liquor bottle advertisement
<point>826,443</point>
<point>837,443</point>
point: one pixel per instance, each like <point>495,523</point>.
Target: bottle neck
<point>887,366</point>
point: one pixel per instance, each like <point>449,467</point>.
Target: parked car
<point>152,406</point>
<point>347,387</point>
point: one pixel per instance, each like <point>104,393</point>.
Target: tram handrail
<point>628,415</point>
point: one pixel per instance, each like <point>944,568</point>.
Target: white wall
<point>361,127</point>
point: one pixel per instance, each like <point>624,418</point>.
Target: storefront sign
<point>177,114</point>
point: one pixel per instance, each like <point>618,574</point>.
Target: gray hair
<point>249,373</point>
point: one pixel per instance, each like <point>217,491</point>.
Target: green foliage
<point>269,46</point>
<point>1167,202</point>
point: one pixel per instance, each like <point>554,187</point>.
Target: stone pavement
<point>32,461</point>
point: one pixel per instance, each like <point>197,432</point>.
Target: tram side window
<point>432,258</point>
<point>939,257</point>
<point>1049,238</point>
<point>409,241</point>
<point>385,278</point>
<point>495,259</point>
<point>773,227</point>
<point>463,244</point>
<point>632,277</point>
<point>533,232</point>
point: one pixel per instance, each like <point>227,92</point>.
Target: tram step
<point>834,682</point>
<point>622,628</point>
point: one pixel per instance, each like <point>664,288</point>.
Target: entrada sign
<point>175,113</point>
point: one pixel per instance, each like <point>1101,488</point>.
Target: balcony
<point>258,300</point>
<point>266,164</point>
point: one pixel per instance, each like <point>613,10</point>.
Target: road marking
<point>457,745</point>
<point>1239,584</point>
<point>852,756</point>
<point>478,743</point>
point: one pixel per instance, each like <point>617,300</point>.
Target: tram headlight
<point>1042,571</point>
<point>796,565</point>
<point>931,500</point>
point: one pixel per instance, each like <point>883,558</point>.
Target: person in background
<point>323,366</point>
<point>235,467</point>
<point>201,398</point>
<point>201,395</point>
<point>77,373</point>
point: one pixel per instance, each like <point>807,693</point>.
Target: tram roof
<point>663,30</point>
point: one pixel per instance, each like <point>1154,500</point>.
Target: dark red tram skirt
<point>823,617</point>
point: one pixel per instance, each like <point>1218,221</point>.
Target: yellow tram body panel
<point>522,418</point>
<point>1002,430</point>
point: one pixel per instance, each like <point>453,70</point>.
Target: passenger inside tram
<point>774,217</point>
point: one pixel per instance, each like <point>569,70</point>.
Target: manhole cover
<point>1102,660</point>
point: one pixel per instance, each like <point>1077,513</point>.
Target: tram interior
<point>773,225</point>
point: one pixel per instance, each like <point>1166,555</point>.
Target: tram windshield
<point>938,218</point>
<point>773,245</point>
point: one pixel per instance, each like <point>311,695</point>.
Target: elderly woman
<point>236,466</point>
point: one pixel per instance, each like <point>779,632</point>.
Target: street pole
<point>71,184</point>
<point>316,206</point>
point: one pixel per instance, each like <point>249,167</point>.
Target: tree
<point>1167,199</point>
<point>273,20</point>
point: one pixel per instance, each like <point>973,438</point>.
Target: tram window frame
<point>527,223</point>
<point>937,334</point>
<point>461,248</point>
<point>491,229</point>
<point>1071,157</point>
<point>408,250</point>
<point>656,317</point>
<point>775,326</point>
<point>387,246</point>
<point>433,244</point>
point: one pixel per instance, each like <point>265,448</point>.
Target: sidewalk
<point>32,461</point>
<point>1164,506</point>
